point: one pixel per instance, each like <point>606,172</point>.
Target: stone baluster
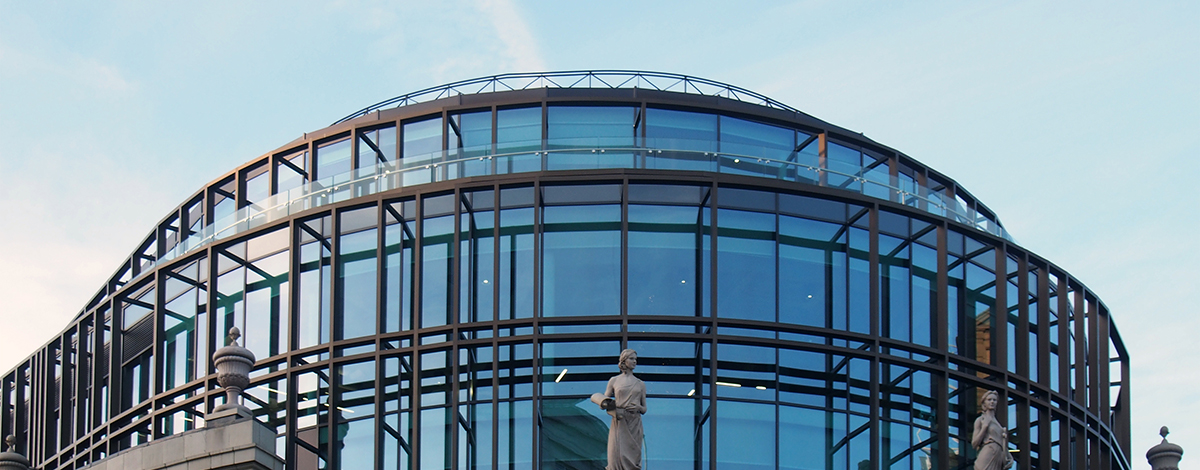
<point>233,364</point>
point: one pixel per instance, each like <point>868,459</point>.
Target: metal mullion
<point>1093,355</point>
<point>1064,339</point>
<point>714,365</point>
<point>454,312</point>
<point>873,329</point>
<point>624,269</point>
<point>999,345</point>
<point>1021,342</point>
<point>1043,321</point>
<point>1102,363</point>
<point>941,342</point>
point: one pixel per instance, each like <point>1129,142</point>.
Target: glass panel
<point>313,281</point>
<point>258,187</point>
<point>357,273</point>
<point>185,324</point>
<point>516,260</point>
<point>574,434</point>
<point>254,296</point>
<point>742,137</point>
<point>665,260</point>
<point>471,134</point>
<point>812,257</point>
<point>846,166</point>
<point>291,172</point>
<point>971,297</point>
<point>682,140</point>
<point>745,435</point>
<point>577,368</point>
<point>355,411</point>
<point>477,248</point>
<point>590,126</point>
<point>422,146</point>
<point>399,263</point>
<point>746,265</point>
<point>519,130</point>
<point>437,262</point>
<point>333,161</point>
<point>681,130</point>
<point>475,410</point>
<point>397,433</point>
<point>581,266</point>
<point>312,418</point>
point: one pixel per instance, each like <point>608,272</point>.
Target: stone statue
<point>990,439</point>
<point>625,399</point>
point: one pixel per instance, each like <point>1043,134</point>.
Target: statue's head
<point>628,360</point>
<point>989,400</point>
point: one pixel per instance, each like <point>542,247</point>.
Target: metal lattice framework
<point>611,79</point>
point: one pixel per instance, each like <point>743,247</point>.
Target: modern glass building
<point>441,280</point>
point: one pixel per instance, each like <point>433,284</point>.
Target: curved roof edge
<point>612,79</point>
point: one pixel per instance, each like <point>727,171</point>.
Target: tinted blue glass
<point>314,287</point>
<point>422,145</point>
<point>514,441</point>
<point>742,137</point>
<point>573,433</point>
<point>845,164</point>
<point>746,265</point>
<point>804,438</point>
<point>437,251</point>
<point>577,368</point>
<point>474,136</point>
<point>356,281</point>
<point>516,263</point>
<point>878,176</point>
<point>894,288</point>
<point>581,265</point>
<point>475,270</point>
<point>674,440</point>
<point>518,129</point>
<point>399,264</point>
<point>664,259</point>
<point>590,126</point>
<point>470,137</point>
<point>745,435</point>
<point>812,256</point>
<point>333,160</point>
<point>436,427</point>
<point>681,140</point>
<point>859,286</point>
<point>746,372</point>
<point>475,439</point>
<point>672,368</point>
<point>422,138</point>
<point>681,130</point>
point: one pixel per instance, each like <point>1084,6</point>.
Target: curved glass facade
<point>442,285</point>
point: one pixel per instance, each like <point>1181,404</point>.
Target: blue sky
<point>1077,122</point>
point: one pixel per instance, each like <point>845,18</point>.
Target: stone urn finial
<point>233,372</point>
<point>11,460</point>
<point>1165,455</point>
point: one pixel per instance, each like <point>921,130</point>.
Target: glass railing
<point>672,154</point>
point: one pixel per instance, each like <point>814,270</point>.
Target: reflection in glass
<point>313,281</point>
<point>746,265</point>
<point>665,259</point>
<point>400,260</point>
<point>581,265</point>
<point>356,273</point>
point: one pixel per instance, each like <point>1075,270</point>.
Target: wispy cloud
<point>515,35</point>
